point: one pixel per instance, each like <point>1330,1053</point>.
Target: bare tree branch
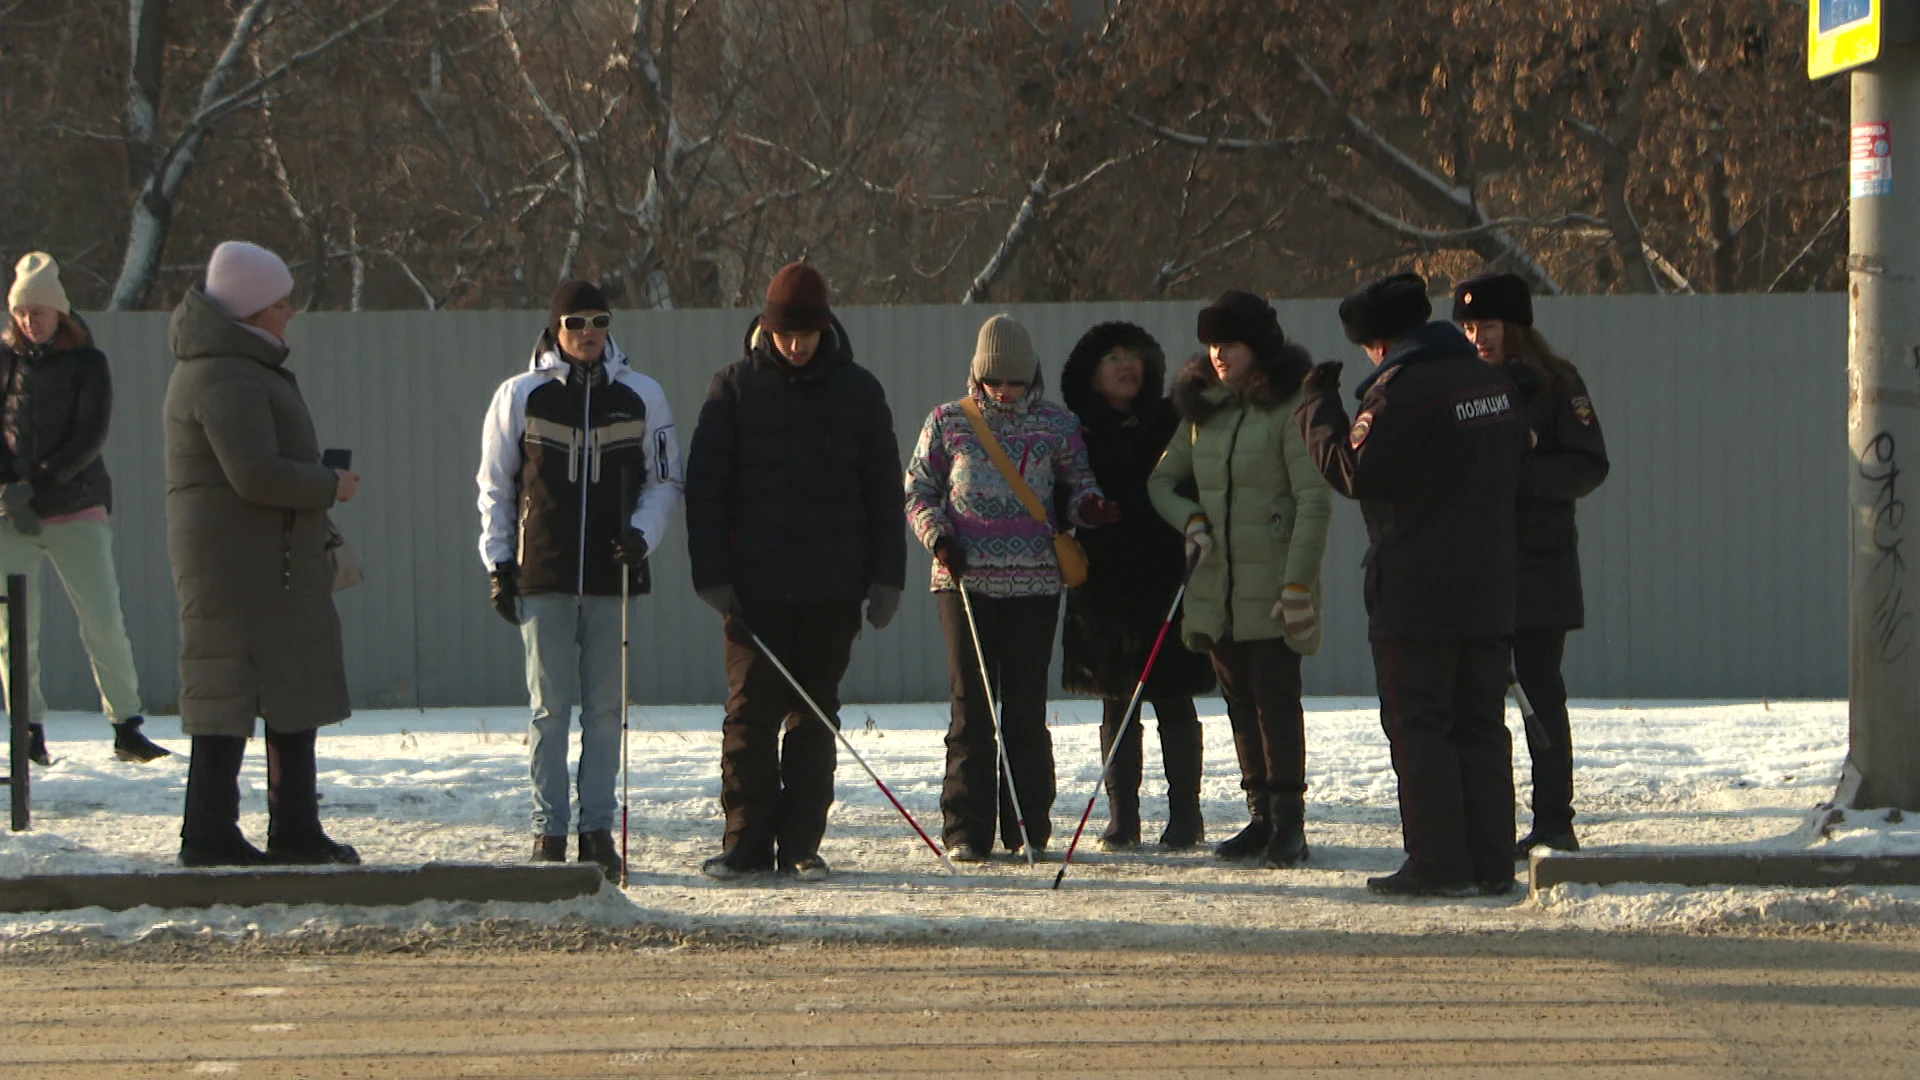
<point>1437,194</point>
<point>1017,230</point>
<point>562,128</point>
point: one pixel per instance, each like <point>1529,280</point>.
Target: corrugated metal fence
<point>1715,555</point>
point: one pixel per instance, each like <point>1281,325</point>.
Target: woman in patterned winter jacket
<point>984,540</point>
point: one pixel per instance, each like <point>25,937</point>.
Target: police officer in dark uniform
<point>1434,459</point>
<point>1567,462</point>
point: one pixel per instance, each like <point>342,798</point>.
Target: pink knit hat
<point>246,279</point>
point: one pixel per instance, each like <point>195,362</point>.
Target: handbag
<point>341,559</point>
<point>1066,550</point>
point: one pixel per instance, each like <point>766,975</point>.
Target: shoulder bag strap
<point>1021,489</point>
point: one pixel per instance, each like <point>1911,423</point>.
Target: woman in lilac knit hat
<point>984,540</point>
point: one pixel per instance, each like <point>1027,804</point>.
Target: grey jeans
<point>573,658</point>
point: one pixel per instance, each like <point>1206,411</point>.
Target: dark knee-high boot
<point>294,834</point>
<point>210,829</point>
<point>1181,753</point>
<point>1123,780</point>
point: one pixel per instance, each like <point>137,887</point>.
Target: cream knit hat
<point>1004,351</point>
<point>36,280</point>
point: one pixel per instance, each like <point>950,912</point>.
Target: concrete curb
<point>1708,867</point>
<point>346,886</point>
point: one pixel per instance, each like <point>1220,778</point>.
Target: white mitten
<point>1295,610</point>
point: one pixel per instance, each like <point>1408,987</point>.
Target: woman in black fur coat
<point>1115,381</point>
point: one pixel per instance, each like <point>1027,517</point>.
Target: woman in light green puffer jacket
<point>1260,519</point>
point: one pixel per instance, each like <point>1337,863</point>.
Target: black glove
<point>16,502</point>
<point>1324,376</point>
<point>630,548</point>
<point>949,554</point>
<point>883,603</point>
<point>506,591</point>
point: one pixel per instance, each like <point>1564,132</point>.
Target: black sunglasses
<point>995,384</point>
<point>581,322</point>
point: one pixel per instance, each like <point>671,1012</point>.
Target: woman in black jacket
<point>55,399</point>
<point>1567,462</point>
<point>1114,381</point>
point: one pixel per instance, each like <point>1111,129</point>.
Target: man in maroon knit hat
<point>794,519</point>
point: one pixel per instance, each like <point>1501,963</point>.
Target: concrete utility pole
<point>1883,417</point>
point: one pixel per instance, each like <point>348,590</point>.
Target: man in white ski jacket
<point>579,473</point>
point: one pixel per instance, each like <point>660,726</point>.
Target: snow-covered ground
<point>410,787</point>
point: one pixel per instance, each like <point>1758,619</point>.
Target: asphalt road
<point>1335,1005</point>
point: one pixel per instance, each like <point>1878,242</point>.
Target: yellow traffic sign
<point>1842,34</point>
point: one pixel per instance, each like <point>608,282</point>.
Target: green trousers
<point>82,554</point>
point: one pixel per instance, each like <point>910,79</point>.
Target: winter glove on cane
<point>883,603</point>
<point>1295,610</point>
<point>506,592</point>
<point>1096,511</point>
<point>16,502</point>
<point>631,547</point>
<point>947,552</point>
<point>1324,376</point>
<point>1199,538</point>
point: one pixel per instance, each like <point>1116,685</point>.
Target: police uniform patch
<point>1480,406</point>
<point>1361,426</point>
<point>1583,410</point>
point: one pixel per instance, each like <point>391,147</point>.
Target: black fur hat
<point>1243,317</point>
<point>1494,296</point>
<point>1386,309</point>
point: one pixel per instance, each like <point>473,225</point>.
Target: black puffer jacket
<point>1568,462</point>
<point>53,424</point>
<point>1135,565</point>
<point>793,478</point>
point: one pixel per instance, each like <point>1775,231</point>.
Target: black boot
<point>597,846</point>
<point>1180,751</point>
<point>233,851</point>
<point>1123,780</point>
<point>1287,843</point>
<point>316,850</point>
<point>37,744</point>
<point>549,849</point>
<point>1556,839</point>
<point>1123,820</point>
<point>294,834</point>
<point>1251,841</point>
<point>129,744</point>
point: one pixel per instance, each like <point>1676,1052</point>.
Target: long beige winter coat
<point>247,502</point>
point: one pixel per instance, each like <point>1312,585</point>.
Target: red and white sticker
<point>1583,410</point>
<point>1361,426</point>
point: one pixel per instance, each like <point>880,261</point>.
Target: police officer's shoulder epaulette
<point>1380,381</point>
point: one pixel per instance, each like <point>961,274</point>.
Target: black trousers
<point>1443,705</point>
<point>1016,636</point>
<point>1261,682</point>
<point>213,790</point>
<point>776,788</point>
<point>1180,753</point>
<point>1536,663</point>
